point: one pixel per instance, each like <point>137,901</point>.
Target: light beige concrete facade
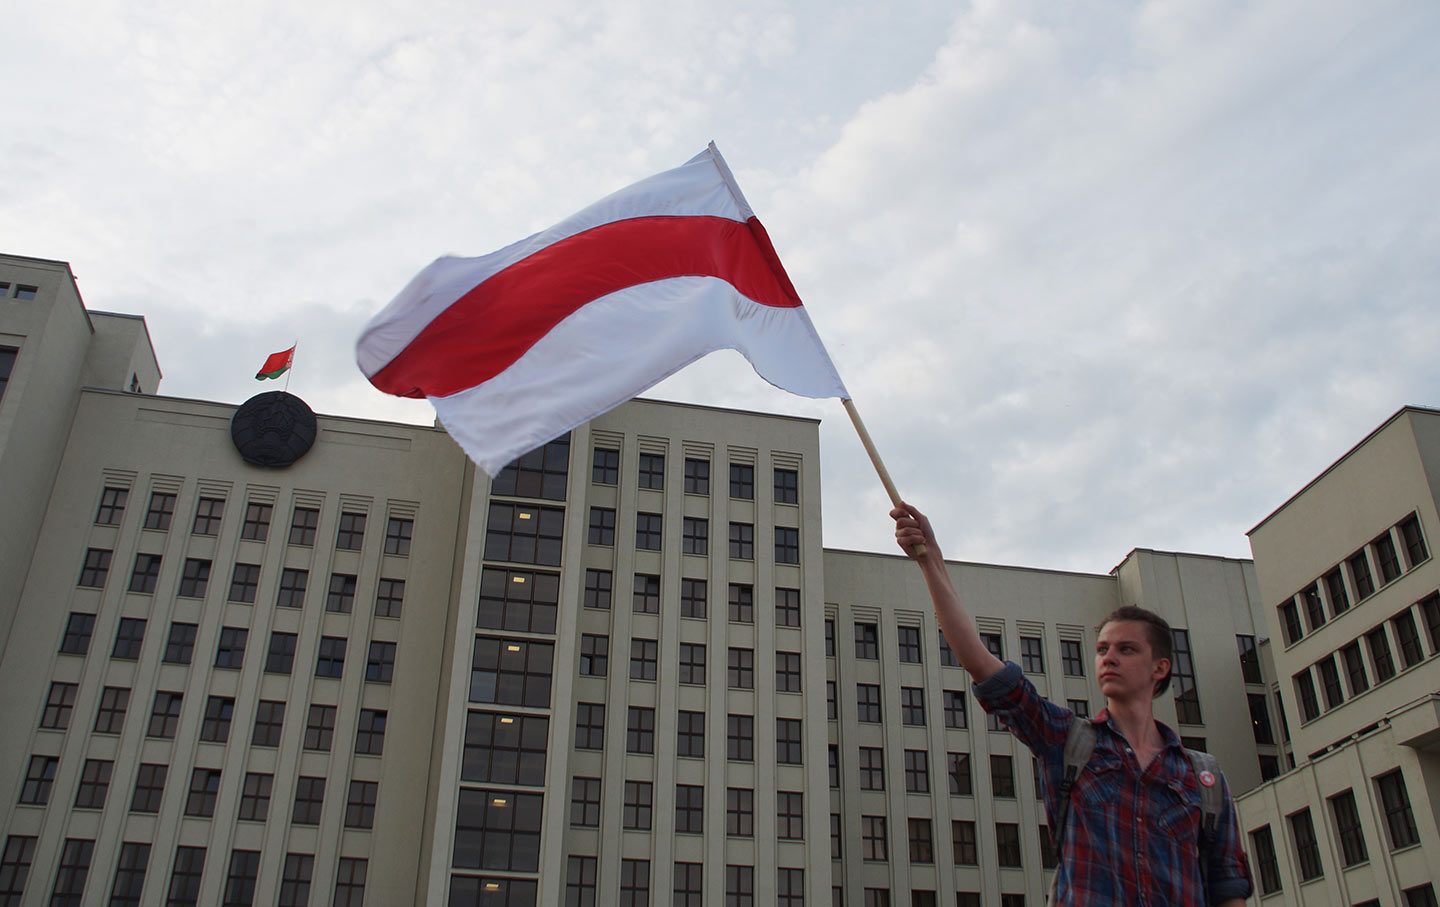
<point>1348,575</point>
<point>662,566</point>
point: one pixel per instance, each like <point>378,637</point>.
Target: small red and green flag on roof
<point>277,365</point>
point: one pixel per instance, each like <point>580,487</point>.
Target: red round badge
<point>1207,779</point>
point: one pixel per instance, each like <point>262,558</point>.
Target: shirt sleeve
<point>1228,875</point>
<point>1039,723</point>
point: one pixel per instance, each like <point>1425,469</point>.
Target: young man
<point>1131,832</point>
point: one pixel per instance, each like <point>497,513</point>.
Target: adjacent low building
<point>624,672</point>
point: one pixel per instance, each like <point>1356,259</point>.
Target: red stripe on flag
<point>486,330</point>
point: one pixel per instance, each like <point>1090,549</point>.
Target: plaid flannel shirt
<point>1131,837</point>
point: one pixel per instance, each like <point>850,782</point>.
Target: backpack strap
<point>1079,745</point>
<point>1212,804</point>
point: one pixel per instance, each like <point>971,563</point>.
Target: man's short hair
<point>1157,631</point>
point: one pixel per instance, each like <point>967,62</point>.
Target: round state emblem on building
<point>273,429</point>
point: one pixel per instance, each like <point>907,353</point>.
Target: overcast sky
<point>1100,275</point>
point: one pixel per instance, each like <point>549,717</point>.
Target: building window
<point>380,664</point>
<point>958,768</point>
<point>370,732</point>
<point>646,596</point>
<point>602,526</point>
<point>652,471</point>
<point>580,882</point>
<point>1002,776</point>
<point>604,466</point>
<point>955,709</point>
<point>540,473</point>
<point>500,748</point>
<point>1411,651</point>
<point>649,530</point>
<point>1249,659</point>
<point>598,585</point>
<point>742,604</point>
<point>1395,800</point>
<point>1415,550</point>
<point>351,534</point>
<point>59,704</point>
<point>78,628</point>
<point>149,788</point>
<point>594,655</point>
<point>161,511</point>
<point>180,647</point>
<point>320,728</point>
<point>867,702</point>
<point>255,797</point>
<point>110,716</point>
<point>96,568</point>
<point>1307,848</point>
<point>962,835</point>
<point>1387,558</point>
<point>517,600</point>
<point>690,809</point>
<point>129,637</point>
<point>994,644</point>
<point>240,882</point>
<point>215,727</point>
<point>1330,682</point>
<point>787,672</point>
<point>1032,656</point>
<point>742,481</point>
<point>112,506</point>
<point>129,875</point>
<point>688,884</point>
<point>695,535</point>
<point>787,486</point>
<point>1081,707</point>
<point>740,669</point>
<point>39,777</point>
<point>269,716</point>
<point>639,803</point>
<point>257,522</point>
<point>194,578</point>
<point>295,880</point>
<point>739,886</point>
<point>360,806</point>
<point>1305,693</point>
<point>740,812</point>
<point>244,581</point>
<point>1314,608</point>
<point>829,637</point>
<point>204,788</point>
<point>644,659</point>
<point>497,829</point>
<point>350,882</point>
<point>1262,846</point>
<point>1379,645</point>
<point>1420,896</point>
<point>690,735</point>
<point>165,715</point>
<point>303,523</point>
<point>74,867</point>
<point>922,844</point>
<point>640,730</point>
<point>398,531</point>
<point>867,641</point>
<point>185,876</point>
<point>208,513</point>
<point>524,534</point>
<point>585,802</point>
<point>309,800</point>
<point>692,663</point>
<point>789,742</point>
<point>697,476</point>
<point>145,573</point>
<point>1007,844</point>
<point>787,545</point>
<point>740,738</point>
<point>511,671</point>
<point>873,842</point>
<point>1355,669</point>
<point>589,726</point>
<point>1360,574</point>
<point>872,768</point>
<point>1290,622</point>
<point>742,541</point>
<point>1187,693</point>
<point>908,639</point>
<point>694,596</point>
<point>912,706</point>
<point>1260,718</point>
<point>1335,590</point>
<point>230,650</point>
<point>292,588</point>
<point>634,883</point>
<point>917,772</point>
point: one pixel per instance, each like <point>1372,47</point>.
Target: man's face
<point>1124,662</point>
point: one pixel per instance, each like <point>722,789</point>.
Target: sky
<point>1099,275</point>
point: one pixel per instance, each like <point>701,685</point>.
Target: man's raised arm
<point>912,529</point>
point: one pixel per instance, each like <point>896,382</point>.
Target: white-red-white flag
<point>517,347</point>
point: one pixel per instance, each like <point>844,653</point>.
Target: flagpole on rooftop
<point>291,370</point>
<point>875,459</point>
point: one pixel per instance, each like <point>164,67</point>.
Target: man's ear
<point>1161,670</point>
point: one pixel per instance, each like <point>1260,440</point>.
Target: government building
<point>254,655</point>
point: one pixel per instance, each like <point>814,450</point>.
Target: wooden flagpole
<point>875,459</point>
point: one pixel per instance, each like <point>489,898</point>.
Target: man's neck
<point>1136,721</point>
